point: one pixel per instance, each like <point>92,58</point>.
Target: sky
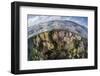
<point>36,19</point>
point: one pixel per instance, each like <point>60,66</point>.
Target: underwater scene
<point>57,37</point>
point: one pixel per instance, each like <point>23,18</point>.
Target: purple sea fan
<point>61,35</point>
